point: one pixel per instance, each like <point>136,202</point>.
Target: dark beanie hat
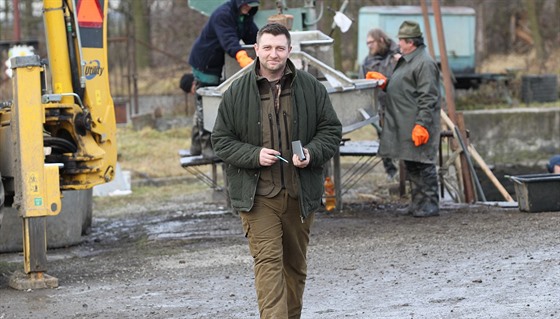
<point>186,82</point>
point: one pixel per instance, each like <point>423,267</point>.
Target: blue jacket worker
<point>229,24</point>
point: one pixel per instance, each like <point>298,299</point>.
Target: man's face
<point>406,46</point>
<point>273,51</point>
<point>372,45</point>
<point>245,8</point>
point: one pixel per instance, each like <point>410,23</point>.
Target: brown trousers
<point>278,241</point>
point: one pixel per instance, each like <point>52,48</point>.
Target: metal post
<point>17,20</point>
<point>450,99</point>
<point>427,28</point>
<point>337,180</point>
<point>36,184</point>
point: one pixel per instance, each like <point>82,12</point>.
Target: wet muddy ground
<point>185,258</point>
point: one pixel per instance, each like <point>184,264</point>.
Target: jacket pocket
<point>311,180</point>
<point>245,224</point>
<point>235,182</point>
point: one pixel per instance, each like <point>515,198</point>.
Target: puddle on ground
<point>178,225</point>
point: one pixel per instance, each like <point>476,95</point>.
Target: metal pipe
<point>444,62</point>
<point>81,62</point>
<point>449,94</point>
<point>471,167</point>
<point>427,28</point>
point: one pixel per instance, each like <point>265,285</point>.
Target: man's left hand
<point>372,75</point>
<point>301,164</point>
<point>420,135</point>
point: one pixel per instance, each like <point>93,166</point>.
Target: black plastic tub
<point>537,192</point>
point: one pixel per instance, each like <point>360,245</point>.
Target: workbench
<point>366,152</point>
<point>192,164</point>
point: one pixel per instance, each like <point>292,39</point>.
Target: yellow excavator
<point>58,130</point>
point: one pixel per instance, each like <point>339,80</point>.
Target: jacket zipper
<point>271,124</point>
<point>278,128</point>
<point>285,116</point>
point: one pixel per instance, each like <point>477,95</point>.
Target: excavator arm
<point>59,131</point>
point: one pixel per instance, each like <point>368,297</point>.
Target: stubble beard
<point>275,68</point>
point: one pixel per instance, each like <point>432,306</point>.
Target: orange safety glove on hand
<point>420,135</point>
<point>243,59</point>
<point>372,75</point>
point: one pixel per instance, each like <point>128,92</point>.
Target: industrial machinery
<point>312,51</point>
<point>354,100</point>
<point>58,130</point>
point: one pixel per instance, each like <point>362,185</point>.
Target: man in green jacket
<point>412,119</point>
<point>275,191</point>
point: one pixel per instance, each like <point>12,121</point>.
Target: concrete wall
<point>526,136</point>
<point>179,103</point>
<point>520,136</point>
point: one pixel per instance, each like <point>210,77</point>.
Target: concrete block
<point>141,121</point>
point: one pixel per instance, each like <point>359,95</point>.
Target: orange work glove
<point>242,58</point>
<point>372,75</point>
<point>420,135</point>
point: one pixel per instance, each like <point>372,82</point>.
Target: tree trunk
<point>2,22</point>
<point>27,20</point>
<point>141,16</point>
<point>535,31</point>
<point>334,33</point>
<point>480,24</point>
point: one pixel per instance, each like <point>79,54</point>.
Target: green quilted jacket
<point>237,137</point>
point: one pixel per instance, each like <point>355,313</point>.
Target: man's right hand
<point>243,58</point>
<point>372,75</point>
<point>267,156</point>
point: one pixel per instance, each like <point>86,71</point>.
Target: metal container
<point>315,43</point>
<point>539,88</point>
<point>537,192</point>
<point>348,96</point>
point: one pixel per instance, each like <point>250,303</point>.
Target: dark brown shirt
<point>276,122</point>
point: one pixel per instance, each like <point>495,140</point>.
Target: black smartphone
<point>298,150</point>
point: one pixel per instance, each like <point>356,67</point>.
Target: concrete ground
<point>187,258</point>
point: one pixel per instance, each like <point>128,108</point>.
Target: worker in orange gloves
<point>382,57</point>
<point>412,118</point>
<point>229,24</point>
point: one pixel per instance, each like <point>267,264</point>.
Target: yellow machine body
<point>94,161</point>
<point>37,190</point>
<point>59,131</point>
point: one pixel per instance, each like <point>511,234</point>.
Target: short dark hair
<point>418,41</point>
<point>186,82</point>
<point>554,161</point>
<point>275,29</point>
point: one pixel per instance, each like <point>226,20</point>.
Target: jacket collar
<point>289,71</point>
<point>419,50</point>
